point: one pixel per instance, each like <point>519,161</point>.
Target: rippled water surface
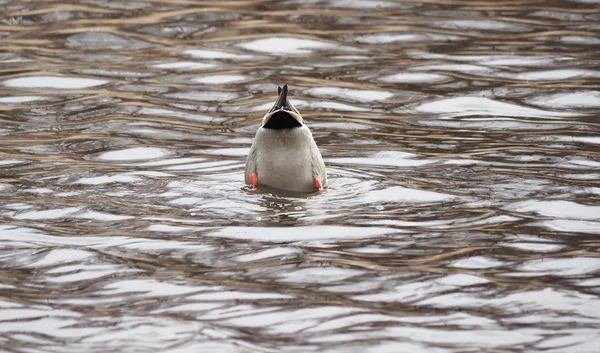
<point>463,152</point>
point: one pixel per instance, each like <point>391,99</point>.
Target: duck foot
<point>254,181</point>
<point>318,184</point>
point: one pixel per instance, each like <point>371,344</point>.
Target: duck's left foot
<point>254,181</point>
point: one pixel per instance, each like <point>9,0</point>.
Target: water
<point>462,146</point>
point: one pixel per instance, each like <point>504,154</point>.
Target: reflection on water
<point>461,140</point>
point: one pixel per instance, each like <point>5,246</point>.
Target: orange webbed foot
<point>318,184</point>
<point>254,181</point>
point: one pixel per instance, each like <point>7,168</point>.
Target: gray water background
<point>462,144</point>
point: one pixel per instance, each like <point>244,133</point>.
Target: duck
<point>284,154</point>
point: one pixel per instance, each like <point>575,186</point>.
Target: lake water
<point>463,152</point>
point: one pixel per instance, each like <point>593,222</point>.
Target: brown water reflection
<point>461,140</point>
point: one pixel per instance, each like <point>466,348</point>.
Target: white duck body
<point>284,154</point>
